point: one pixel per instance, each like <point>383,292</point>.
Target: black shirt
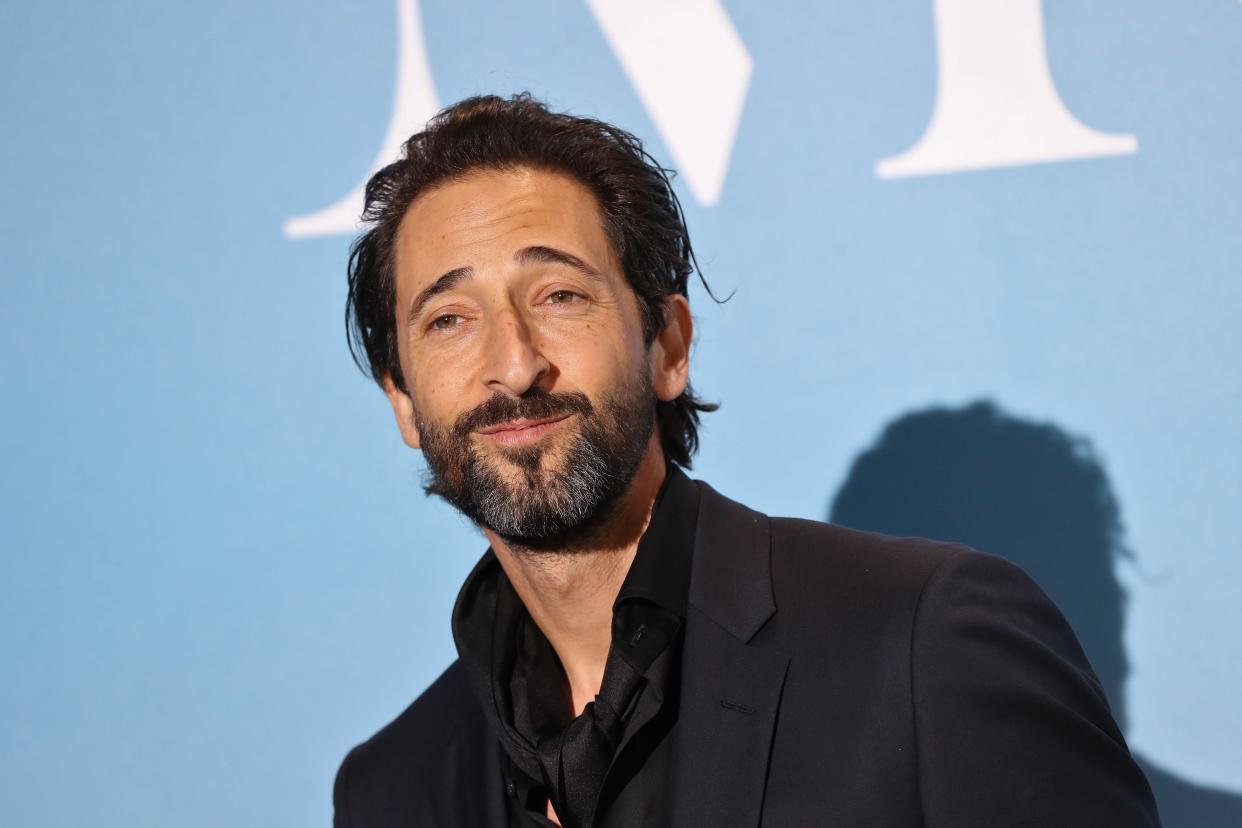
<point>522,686</point>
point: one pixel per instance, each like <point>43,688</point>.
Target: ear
<point>403,410</point>
<point>670,352</point>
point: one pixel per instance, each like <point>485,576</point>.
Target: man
<point>636,649</point>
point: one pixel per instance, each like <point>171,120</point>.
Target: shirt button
<point>511,789</point>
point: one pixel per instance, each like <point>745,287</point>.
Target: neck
<point>569,592</point>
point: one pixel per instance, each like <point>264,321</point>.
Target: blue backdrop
<point>218,570</point>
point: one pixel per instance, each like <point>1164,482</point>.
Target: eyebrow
<point>540,254</point>
<point>446,282</point>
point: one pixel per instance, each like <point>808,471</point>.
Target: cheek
<point>431,396</point>
<point>599,358</point>
<point>434,409</point>
<point>435,374</point>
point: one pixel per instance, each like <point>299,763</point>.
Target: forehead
<point>489,214</point>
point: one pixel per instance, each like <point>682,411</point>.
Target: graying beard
<point>558,508</point>
<point>563,502</point>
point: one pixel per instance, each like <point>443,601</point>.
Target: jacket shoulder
<point>806,577</point>
<point>939,673</point>
<point>824,561</point>
<point>829,544</point>
<point>425,729</point>
<point>413,770</point>
<point>827,576</point>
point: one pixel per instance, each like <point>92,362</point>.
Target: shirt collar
<point>660,572</point>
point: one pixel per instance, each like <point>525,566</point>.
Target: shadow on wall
<point>1039,497</point>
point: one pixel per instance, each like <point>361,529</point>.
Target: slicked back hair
<point>642,219</point>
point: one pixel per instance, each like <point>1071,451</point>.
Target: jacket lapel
<point>730,692</point>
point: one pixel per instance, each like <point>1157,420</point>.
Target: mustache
<point>535,404</point>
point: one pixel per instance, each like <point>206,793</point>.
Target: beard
<point>554,493</point>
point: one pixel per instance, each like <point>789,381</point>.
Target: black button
<point>511,789</point>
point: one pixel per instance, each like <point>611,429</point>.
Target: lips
<point>523,428</point>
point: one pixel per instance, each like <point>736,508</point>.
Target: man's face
<point>531,391</point>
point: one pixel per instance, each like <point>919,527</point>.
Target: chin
<point>545,456</point>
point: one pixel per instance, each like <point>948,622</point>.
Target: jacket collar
<point>731,687</point>
<point>730,573</point>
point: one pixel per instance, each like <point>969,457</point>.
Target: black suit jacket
<point>829,678</point>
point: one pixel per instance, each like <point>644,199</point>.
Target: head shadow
<point>1023,490</point>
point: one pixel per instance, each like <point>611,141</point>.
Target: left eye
<point>445,322</point>
<point>562,297</point>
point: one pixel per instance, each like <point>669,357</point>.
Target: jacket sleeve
<point>1011,725</point>
<point>340,797</point>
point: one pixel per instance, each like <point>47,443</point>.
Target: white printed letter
<point>415,103</point>
<point>691,71</point>
<point>996,105</point>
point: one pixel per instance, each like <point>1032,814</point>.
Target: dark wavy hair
<point>641,216</point>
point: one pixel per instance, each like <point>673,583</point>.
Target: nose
<point>512,362</point>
